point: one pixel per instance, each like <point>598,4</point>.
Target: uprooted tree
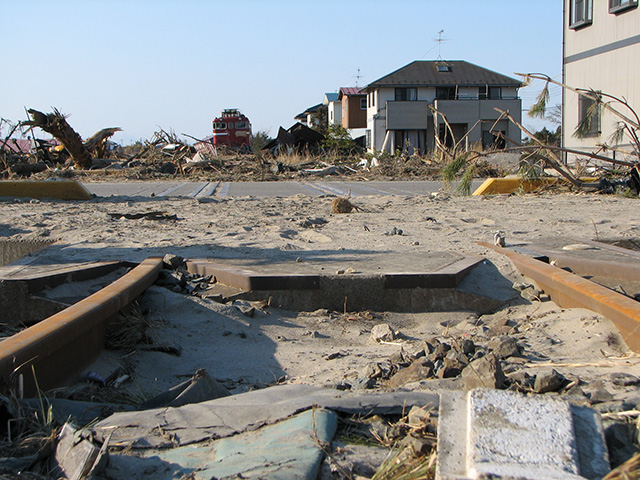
<point>55,123</point>
<point>627,125</point>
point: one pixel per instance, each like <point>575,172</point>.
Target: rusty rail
<point>61,346</point>
<point>569,291</point>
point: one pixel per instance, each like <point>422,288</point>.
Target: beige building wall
<point>604,56</point>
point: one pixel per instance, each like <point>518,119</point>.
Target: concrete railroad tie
<point>486,432</point>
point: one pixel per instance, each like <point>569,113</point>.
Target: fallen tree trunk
<point>56,124</point>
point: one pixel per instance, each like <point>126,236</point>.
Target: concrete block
<point>492,433</point>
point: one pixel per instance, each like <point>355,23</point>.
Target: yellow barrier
<point>494,186</point>
<point>61,190</point>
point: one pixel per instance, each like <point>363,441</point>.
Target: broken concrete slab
<point>290,449</point>
<point>223,417</point>
<point>506,434</point>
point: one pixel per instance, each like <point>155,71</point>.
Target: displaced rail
<point>56,349</point>
<point>570,290</point>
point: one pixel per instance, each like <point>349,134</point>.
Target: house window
<point>482,92</point>
<point>581,13</point>
<point>406,94</point>
<point>445,93</point>
<point>589,116</point>
<point>363,103</point>
<point>444,68</point>
<point>617,6</point>
<point>495,93</point>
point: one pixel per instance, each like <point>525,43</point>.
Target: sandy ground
<point>322,347</point>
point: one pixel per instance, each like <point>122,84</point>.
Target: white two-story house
<point>400,106</point>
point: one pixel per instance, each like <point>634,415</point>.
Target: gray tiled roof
<point>422,73</point>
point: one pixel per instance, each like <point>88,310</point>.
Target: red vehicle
<point>232,129</point>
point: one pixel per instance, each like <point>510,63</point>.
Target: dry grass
<point>130,328</point>
<point>629,470</point>
<point>406,465</point>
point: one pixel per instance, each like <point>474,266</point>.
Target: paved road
<point>263,189</point>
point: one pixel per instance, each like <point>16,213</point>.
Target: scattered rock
<point>455,359</point>
<point>622,379</point>
<point>395,231</point>
<point>172,261</point>
<point>382,333</point>
<point>468,347</point>
<point>418,416</point>
<point>504,346</point>
<point>600,396</point>
<point>316,222</point>
<point>439,352</point>
<point>521,381</point>
<point>548,381</point>
<point>334,355</point>
<point>420,444</point>
<point>527,291</point>
<point>420,369</point>
<point>484,372</point>
<point>363,383</point>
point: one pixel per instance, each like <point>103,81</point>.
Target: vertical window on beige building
<point>589,117</point>
<point>581,13</point>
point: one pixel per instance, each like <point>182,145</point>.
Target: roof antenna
<point>358,77</point>
<point>440,41</point>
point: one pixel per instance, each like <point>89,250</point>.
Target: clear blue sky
<point>144,64</point>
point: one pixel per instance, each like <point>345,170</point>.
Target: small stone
<point>448,371</point>
<point>382,333</point>
<point>601,396</point>
<point>429,345</point>
<point>363,383</point>
<point>334,355</point>
<point>521,379</point>
<point>548,381</point>
<point>455,359</point>
<point>418,416</point>
<point>440,351</point>
<point>419,444</point>
<point>623,379</point>
<point>372,370</point>
<point>504,346</point>
<point>615,406</point>
<point>484,372</point>
<point>468,347</point>
<point>172,261</point>
<point>420,369</point>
